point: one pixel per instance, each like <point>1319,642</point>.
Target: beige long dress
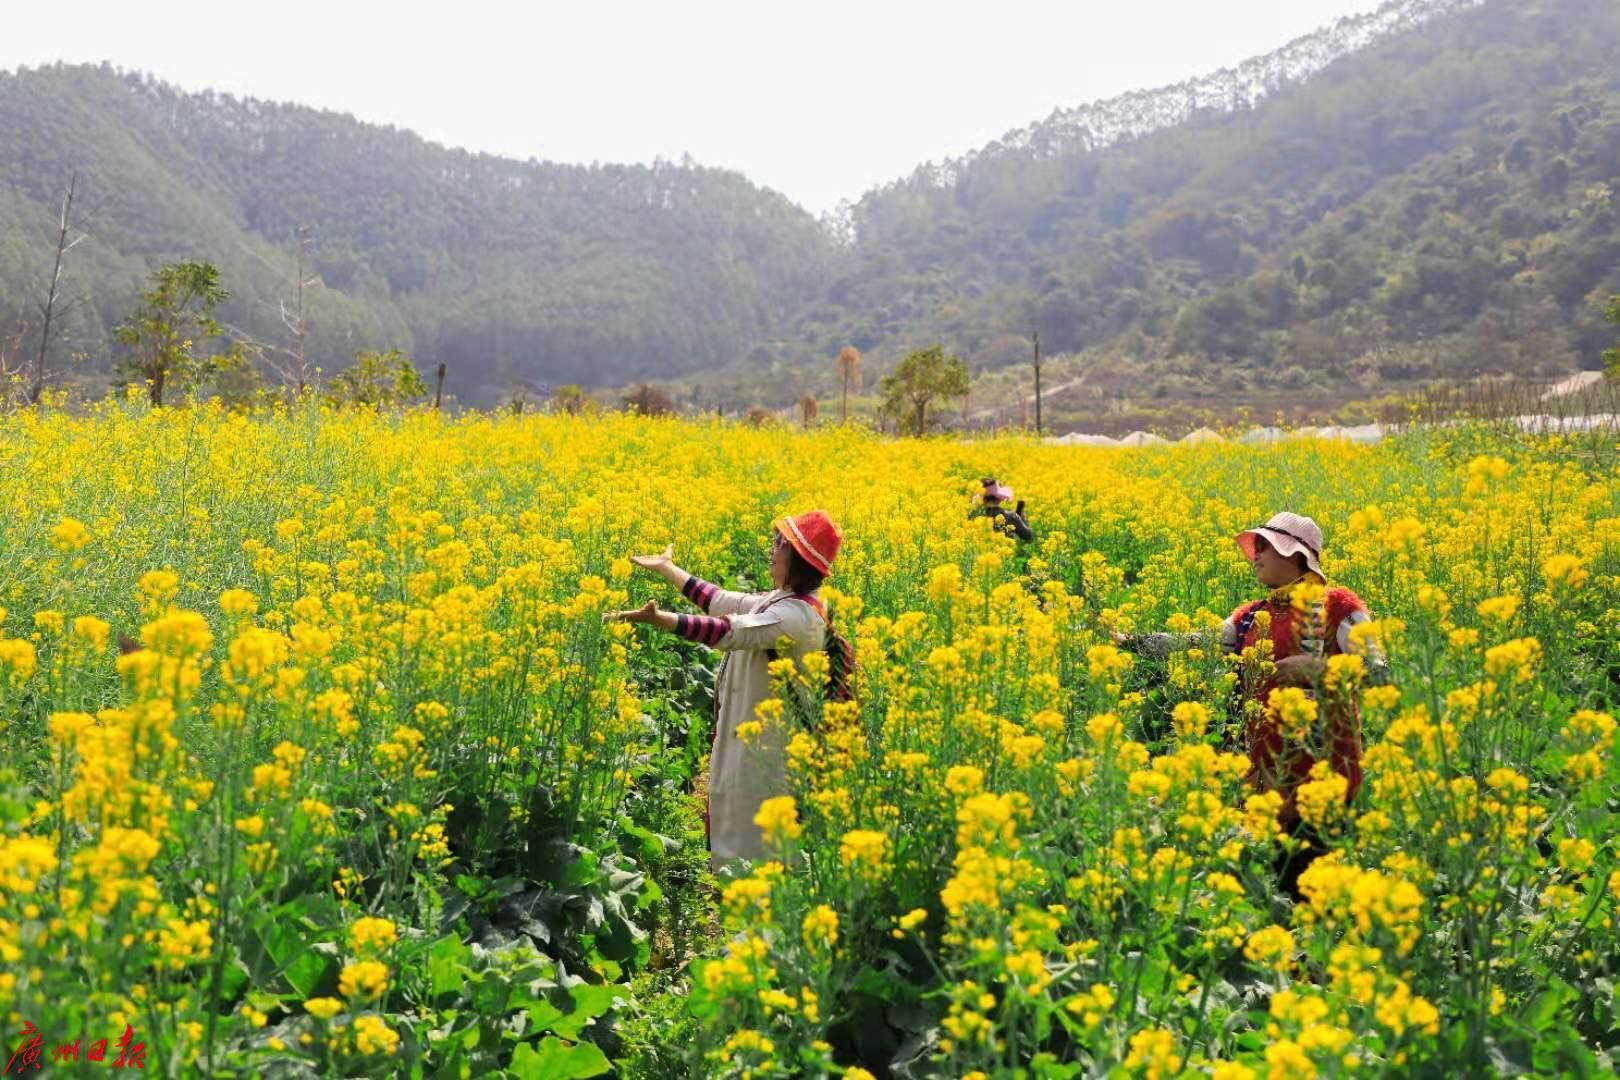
<point>744,774</point>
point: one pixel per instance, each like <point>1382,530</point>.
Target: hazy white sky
<point>819,101</point>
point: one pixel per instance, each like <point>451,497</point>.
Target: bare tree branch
<point>290,309</point>
<point>11,362</point>
<point>48,309</point>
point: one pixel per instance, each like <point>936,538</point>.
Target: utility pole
<point>1037,336</point>
<point>438,387</point>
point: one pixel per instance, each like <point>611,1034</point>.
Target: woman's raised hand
<point>656,563</point>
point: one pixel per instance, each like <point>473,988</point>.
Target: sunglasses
<point>1262,544</point>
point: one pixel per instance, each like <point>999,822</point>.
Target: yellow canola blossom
<point>251,667</point>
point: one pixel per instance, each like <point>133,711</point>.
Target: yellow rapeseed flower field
<point>320,760</point>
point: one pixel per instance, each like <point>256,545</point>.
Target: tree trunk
<point>155,387</point>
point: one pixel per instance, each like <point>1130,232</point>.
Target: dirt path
<point>1047,394</point>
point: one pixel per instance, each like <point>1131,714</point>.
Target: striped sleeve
<point>702,629</point>
<point>700,592</point>
<point>717,601</point>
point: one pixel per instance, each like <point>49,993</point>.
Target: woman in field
<point>1009,521</point>
<point>1307,623</point>
<point>748,628</point>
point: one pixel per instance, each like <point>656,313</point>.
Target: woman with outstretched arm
<point>751,629</point>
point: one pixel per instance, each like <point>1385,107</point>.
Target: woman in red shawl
<point>1306,621</point>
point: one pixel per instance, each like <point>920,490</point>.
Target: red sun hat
<point>814,536</point>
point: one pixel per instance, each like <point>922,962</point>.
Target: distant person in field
<point>994,504</point>
<point>1286,554</point>
<point>749,629</point>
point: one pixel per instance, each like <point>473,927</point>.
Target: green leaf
<point>878,984</point>
<point>474,887</point>
<point>622,941</point>
<point>584,866</point>
<point>281,942</point>
<point>1544,1009</point>
<point>594,912</point>
<point>556,1060</point>
<point>650,843</point>
<point>236,977</point>
<point>594,1001</point>
<point>589,1002</point>
<point>543,1017</point>
<point>1576,1056</point>
<point>537,929</point>
<point>445,960</point>
<point>621,881</point>
<point>1454,1040</point>
<point>490,995</point>
<point>649,895</point>
<point>307,973</point>
<point>278,940</point>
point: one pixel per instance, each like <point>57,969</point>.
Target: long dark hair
<point>802,577</point>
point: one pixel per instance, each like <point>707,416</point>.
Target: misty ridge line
<point>1100,124</point>
<point>1084,128</point>
<point>1110,121</point>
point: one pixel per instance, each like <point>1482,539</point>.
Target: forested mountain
<point>1427,190</point>
<point>1430,190</point>
<point>504,270</point>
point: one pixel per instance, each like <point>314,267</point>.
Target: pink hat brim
<point>1283,544</point>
